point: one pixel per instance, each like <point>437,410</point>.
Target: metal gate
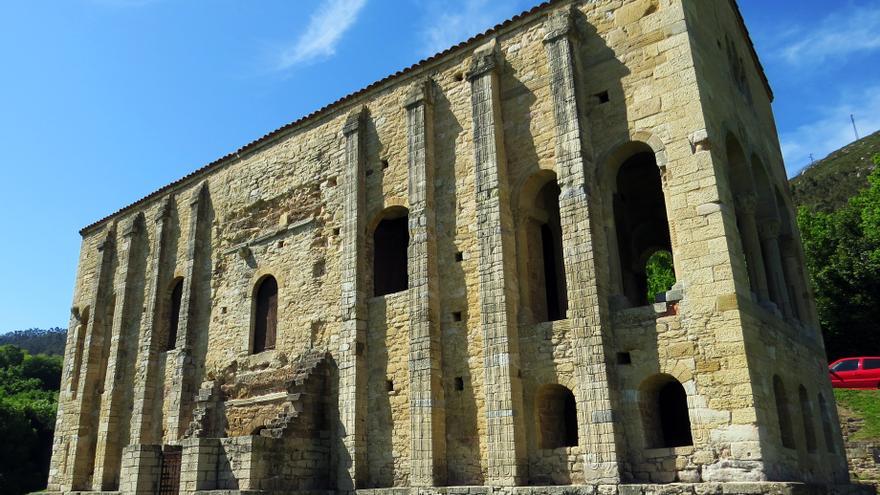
<point>169,477</point>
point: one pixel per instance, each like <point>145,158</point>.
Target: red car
<point>855,372</point>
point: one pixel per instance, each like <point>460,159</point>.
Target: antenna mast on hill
<point>855,130</point>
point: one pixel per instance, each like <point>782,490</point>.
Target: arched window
<point>266,314</point>
<point>390,242</point>
<point>544,285</point>
<point>174,313</point>
<point>826,425</point>
<point>665,417</point>
<point>641,222</point>
<point>807,417</point>
<point>783,415</point>
<point>557,417</point>
<point>746,204</point>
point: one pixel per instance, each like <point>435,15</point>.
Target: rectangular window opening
<point>624,358</point>
<point>459,383</point>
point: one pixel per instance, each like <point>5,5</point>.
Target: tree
<point>661,274</point>
<point>843,257</point>
<point>28,403</point>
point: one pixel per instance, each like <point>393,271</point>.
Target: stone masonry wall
<point>442,384</point>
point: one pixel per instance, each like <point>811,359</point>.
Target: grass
<point>830,182</point>
<point>865,405</point>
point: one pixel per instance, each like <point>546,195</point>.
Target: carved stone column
<point>427,409</point>
<point>93,368</point>
<point>114,421</point>
<point>184,385</point>
<point>587,299</point>
<point>353,334</point>
<point>769,232</point>
<point>506,442</point>
<point>746,205</point>
<point>798,293</point>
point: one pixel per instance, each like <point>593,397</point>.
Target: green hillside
<point>830,182</point>
<point>37,340</point>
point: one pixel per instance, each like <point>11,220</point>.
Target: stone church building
<point>440,284</point>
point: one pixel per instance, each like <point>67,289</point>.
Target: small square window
<point>624,358</point>
<point>459,256</point>
<point>389,385</point>
<point>459,383</point>
<point>456,316</point>
<point>602,97</point>
<point>384,164</point>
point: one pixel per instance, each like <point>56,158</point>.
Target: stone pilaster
<point>92,372</point>
<point>139,463</point>
<point>588,313</point>
<point>146,416</point>
<point>114,421</point>
<point>746,205</point>
<point>769,232</point>
<point>497,300</point>
<point>427,409</point>
<point>353,334</point>
<point>184,382</point>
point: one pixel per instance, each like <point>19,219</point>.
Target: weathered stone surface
<point>538,167</point>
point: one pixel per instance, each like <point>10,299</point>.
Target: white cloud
<point>453,21</point>
<point>856,29</point>
<point>325,30</point>
<point>832,129</point>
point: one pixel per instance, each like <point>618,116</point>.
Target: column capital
<point>768,228</point>
<point>420,92</point>
<point>558,25</point>
<point>164,210</point>
<point>354,121</point>
<point>485,59</point>
<point>107,241</point>
<point>134,226</point>
<point>198,194</point>
<point>746,203</point>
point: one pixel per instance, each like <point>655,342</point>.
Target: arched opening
<point>544,284</point>
<point>827,432</point>
<point>745,206</point>
<point>641,222</point>
<point>660,271</point>
<point>556,412</point>
<point>807,417</point>
<point>792,261</point>
<point>390,243</point>
<point>80,336</point>
<point>783,415</point>
<point>174,313</point>
<point>265,314</point>
<point>665,416</point>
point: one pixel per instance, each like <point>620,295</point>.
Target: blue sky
<point>104,101</point>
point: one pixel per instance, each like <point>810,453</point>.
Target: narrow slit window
<point>174,314</point>
<point>266,317</point>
